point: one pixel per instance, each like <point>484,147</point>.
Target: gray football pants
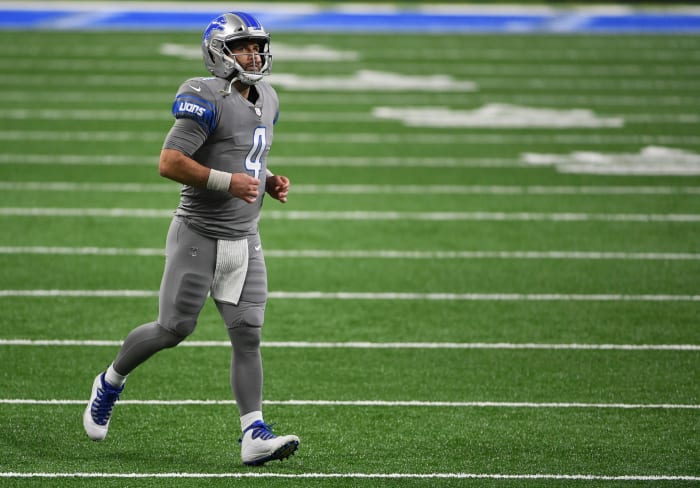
<point>189,271</point>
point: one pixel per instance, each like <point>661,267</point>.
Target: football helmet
<point>226,30</point>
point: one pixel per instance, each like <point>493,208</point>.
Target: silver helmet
<point>226,30</point>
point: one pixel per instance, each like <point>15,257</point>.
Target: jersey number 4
<point>252,160</point>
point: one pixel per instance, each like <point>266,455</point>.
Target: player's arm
<point>176,166</point>
<point>277,186</point>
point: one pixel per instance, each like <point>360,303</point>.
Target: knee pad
<point>245,338</point>
<point>183,327</point>
<point>142,343</point>
<point>168,337</point>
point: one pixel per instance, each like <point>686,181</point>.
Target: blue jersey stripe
<point>195,108</point>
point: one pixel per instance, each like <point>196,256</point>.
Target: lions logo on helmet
<point>227,29</point>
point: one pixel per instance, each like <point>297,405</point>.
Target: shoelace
<point>104,402</point>
<point>261,430</point>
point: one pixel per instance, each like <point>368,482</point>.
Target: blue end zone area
<point>28,18</point>
<point>460,19</point>
<point>158,20</point>
<point>419,22</point>
<point>646,23</point>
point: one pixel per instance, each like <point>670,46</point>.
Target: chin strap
<point>227,92</point>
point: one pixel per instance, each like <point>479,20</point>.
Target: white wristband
<point>268,173</point>
<point>218,180</point>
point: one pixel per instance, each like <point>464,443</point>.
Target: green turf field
<point>443,311</point>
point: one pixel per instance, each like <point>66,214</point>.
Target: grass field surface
<point>486,273</point>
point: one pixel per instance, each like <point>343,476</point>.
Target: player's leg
<point>247,369</point>
<point>185,286</point>
<point>244,322</point>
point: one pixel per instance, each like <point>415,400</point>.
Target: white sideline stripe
<point>495,138</point>
<point>366,254</point>
<point>262,475</point>
<point>361,215</point>
<point>375,345</point>
<point>372,403</point>
<point>317,295</point>
<point>370,189</point>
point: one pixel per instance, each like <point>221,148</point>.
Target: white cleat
<point>259,445</point>
<point>99,409</point>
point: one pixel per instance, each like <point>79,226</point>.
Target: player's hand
<point>277,186</point>
<point>244,187</point>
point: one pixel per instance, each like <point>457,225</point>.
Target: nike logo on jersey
<point>196,88</point>
<point>258,247</point>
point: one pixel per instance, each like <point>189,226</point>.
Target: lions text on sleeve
<point>227,132</point>
<point>203,112</point>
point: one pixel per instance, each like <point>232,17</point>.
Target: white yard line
<point>313,161</point>
<point>364,215</point>
<point>358,476</point>
<point>374,345</point>
<point>317,295</point>
<point>85,251</point>
<point>627,71</point>
<point>161,99</point>
<point>373,403</point>
<point>68,186</point>
<point>549,83</point>
<point>367,254</point>
<point>309,253</point>
<point>556,56</point>
<point>297,116</point>
<point>350,58</point>
<point>491,138</point>
<point>471,139</point>
<point>78,159</point>
<point>479,296</point>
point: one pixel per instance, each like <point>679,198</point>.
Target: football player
<point>217,148</point>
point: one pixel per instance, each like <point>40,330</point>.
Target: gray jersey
<point>229,133</point>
